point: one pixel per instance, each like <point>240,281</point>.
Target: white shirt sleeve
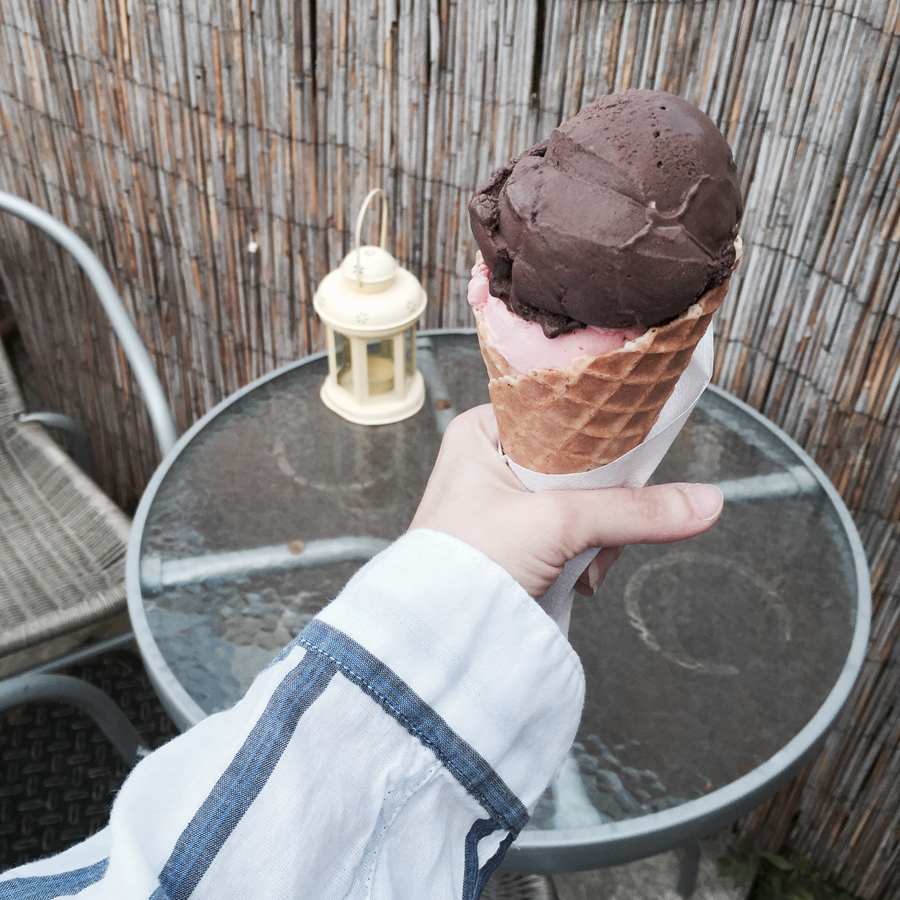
<point>391,752</point>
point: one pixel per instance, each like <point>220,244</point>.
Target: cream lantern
<point>370,306</point>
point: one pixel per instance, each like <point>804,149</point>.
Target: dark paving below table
<point>60,773</point>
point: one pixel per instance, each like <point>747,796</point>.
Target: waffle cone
<point>570,420</point>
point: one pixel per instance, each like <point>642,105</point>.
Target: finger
<point>583,585</point>
<point>487,422</point>
<point>479,421</point>
<point>588,580</point>
<point>593,576</point>
<point>473,431</point>
<point>468,468</point>
<point>473,436</point>
<point>649,515</point>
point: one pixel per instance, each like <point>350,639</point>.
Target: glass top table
<point>714,666</point>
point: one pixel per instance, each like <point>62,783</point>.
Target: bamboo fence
<point>180,136</point>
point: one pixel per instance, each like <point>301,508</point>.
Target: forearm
<point>398,742</point>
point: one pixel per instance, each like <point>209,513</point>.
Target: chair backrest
<point>62,542</point>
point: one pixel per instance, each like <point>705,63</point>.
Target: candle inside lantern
<point>381,367</point>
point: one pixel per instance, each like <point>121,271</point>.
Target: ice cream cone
<point>576,419</point>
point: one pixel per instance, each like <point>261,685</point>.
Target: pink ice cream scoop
<point>523,344</point>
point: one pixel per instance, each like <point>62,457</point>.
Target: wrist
<point>468,640</point>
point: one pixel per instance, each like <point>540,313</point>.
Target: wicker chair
<point>62,540</point>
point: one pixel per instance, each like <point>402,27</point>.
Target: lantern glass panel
<point>342,361</point>
<point>410,341</point>
<point>381,367</point>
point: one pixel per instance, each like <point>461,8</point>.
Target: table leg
<point>503,886</point>
<point>690,867</point>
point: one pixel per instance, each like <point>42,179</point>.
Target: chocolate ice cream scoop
<point>624,217</point>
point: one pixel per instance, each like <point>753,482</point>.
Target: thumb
<point>613,517</point>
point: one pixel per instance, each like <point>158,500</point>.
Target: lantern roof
<point>370,294</point>
<point>385,302</point>
<point>372,268</point>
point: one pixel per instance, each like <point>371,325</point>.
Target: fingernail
<point>593,573</point>
<point>705,499</point>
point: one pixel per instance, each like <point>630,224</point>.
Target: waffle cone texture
<point>561,421</point>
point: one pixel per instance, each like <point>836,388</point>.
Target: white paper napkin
<point>631,470</point>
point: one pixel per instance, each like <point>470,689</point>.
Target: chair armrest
<point>79,446</point>
<point>144,371</point>
<point>31,688</point>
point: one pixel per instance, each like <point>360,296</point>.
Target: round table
<point>714,666</point>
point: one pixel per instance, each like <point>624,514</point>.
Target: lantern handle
<point>359,222</point>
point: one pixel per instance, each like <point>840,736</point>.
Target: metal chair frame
<point>40,684</point>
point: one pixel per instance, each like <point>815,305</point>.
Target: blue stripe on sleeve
<point>60,884</point>
<point>244,778</point>
<point>491,865</point>
<point>466,765</point>
<point>481,829</point>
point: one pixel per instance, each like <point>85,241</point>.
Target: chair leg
<point>32,688</point>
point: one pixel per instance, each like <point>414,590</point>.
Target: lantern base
<point>378,411</point>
